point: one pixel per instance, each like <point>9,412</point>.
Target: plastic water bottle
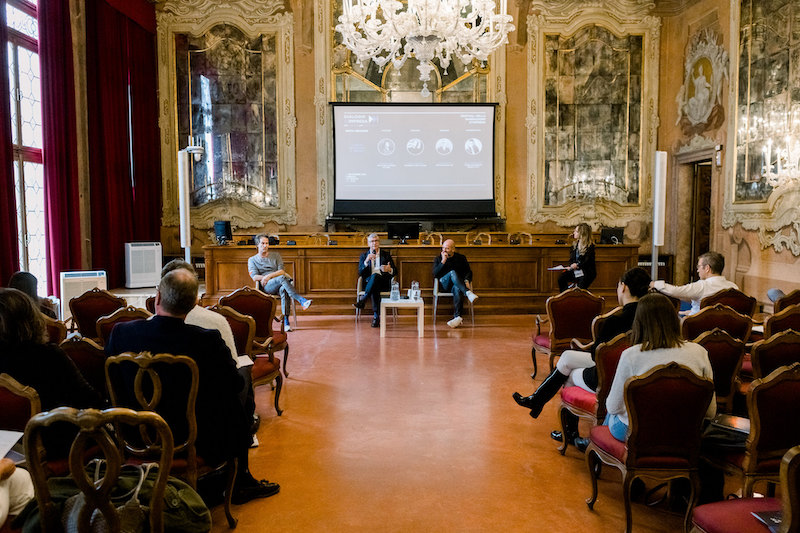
<point>395,295</point>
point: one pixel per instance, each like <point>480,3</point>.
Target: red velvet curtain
<point>62,215</point>
<point>9,246</point>
<point>125,192</point>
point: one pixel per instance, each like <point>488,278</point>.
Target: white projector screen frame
<point>432,160</point>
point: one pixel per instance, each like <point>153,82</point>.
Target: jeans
<point>619,430</point>
<point>282,285</point>
<point>376,284</point>
<point>451,282</point>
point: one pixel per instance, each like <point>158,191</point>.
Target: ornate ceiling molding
<point>562,11</point>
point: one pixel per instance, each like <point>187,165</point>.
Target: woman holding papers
<point>581,270</point>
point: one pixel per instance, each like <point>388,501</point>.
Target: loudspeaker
<point>659,198</point>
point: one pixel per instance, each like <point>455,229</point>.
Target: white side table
<point>419,305</point>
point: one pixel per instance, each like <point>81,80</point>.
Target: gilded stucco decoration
<point>591,162</point>
<point>699,99</point>
<point>766,46</point>
<point>253,35</point>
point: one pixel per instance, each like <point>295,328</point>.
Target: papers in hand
<point>558,267</point>
<point>11,445</point>
<point>243,360</point>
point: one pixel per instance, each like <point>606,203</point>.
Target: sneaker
<point>455,322</point>
<point>286,325</point>
<point>306,304</point>
<point>471,296</point>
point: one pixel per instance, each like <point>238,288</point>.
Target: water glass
<point>415,294</point>
<point>395,294</point>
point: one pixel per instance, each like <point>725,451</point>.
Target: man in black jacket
<point>223,430</point>
<point>376,268</point>
<point>454,275</point>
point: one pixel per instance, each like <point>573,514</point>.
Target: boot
<point>549,388</point>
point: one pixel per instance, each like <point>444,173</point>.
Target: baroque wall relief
<point>226,77</point>
<point>762,194</point>
<point>593,100</point>
<point>699,100</point>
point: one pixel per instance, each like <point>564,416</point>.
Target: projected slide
<point>414,153</point>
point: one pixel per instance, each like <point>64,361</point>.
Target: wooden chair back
<point>778,350</point>
<point>725,354</point>
<point>242,326</point>
<point>254,303</point>
<point>125,314</point>
<point>786,318</point>
<point>56,329</point>
<point>717,316</point>
<point>733,298</point>
<point>597,325</point>
<point>87,308</point>
<point>150,304</point>
<point>94,435</point>
<point>90,359</point>
<point>571,314</point>
<point>607,357</point>
<point>793,298</point>
<point>19,402</point>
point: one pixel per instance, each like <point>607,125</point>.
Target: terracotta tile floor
<point>408,434</point>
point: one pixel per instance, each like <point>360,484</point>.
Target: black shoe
<point>581,443</point>
<point>549,388</point>
<point>359,304</point>
<point>262,489</point>
<point>556,436</point>
<point>255,424</point>
<point>376,322</point>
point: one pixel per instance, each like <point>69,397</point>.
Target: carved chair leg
<point>533,358</point>
<point>285,360</point>
<point>592,461</point>
<point>626,498</point>
<point>233,466</point>
<point>279,382</point>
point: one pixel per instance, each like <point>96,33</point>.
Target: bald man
<point>454,274</point>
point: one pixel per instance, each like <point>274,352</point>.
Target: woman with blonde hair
<point>582,270</point>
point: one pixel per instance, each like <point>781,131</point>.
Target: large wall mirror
<point>227,84</point>
<point>592,93</point>
<point>764,192</point>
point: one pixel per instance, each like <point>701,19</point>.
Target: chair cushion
<point>278,338</point>
<point>580,398</point>
<point>747,367</point>
<point>542,340</point>
<point>262,366</point>
<point>733,516</point>
<point>602,438</point>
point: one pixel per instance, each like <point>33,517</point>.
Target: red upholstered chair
<point>90,359</point>
<point>150,304</point>
<point>725,354</point>
<point>56,329</point>
<point>94,437</point>
<point>736,516</point>
<point>787,318</point>
<point>262,307</point>
<point>570,315</point>
<point>585,404</point>
<point>793,298</point>
<point>773,404</point>
<point>266,367</point>
<point>90,306</point>
<point>778,350</point>
<point>717,316</point>
<point>665,407</point>
<point>125,314</point>
<point>733,298</point>
<point>141,382</point>
<point>19,403</point>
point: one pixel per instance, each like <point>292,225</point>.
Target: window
<point>26,133</point>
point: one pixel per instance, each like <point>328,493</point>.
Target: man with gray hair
<point>376,268</point>
<point>709,269</point>
<point>223,428</point>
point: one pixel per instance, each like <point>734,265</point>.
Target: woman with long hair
<point>581,270</point>
<point>656,339</point>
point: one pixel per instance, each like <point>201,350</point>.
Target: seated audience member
<point>709,269</point>
<point>376,268</point>
<point>223,429</point>
<point>207,319</point>
<point>267,268</point>
<point>581,270</point>
<point>656,335</point>
<point>775,294</point>
<point>27,283</point>
<point>26,357</point>
<point>16,489</point>
<point>578,368</point>
<point>452,270</point>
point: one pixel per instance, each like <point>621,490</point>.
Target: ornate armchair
<point>793,298</point>
<point>786,318</point>
<point>56,329</point>
<point>90,306</point>
<point>90,359</point>
<point>125,314</point>
<point>733,298</point>
<point>725,354</point>
<point>781,349</point>
<point>570,315</point>
<point>665,407</point>
<point>717,316</point>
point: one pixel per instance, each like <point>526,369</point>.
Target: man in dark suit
<point>376,268</point>
<point>223,431</point>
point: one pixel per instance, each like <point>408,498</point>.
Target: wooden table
<point>404,303</point>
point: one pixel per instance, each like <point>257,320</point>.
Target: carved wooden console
<point>509,278</point>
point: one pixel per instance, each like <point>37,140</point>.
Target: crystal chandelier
<point>390,30</point>
<point>779,133</point>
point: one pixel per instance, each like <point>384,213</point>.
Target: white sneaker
<point>287,326</point>
<point>455,322</point>
<point>472,296</point>
<point>306,305</point>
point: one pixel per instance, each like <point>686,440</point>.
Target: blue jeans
<point>282,285</point>
<point>619,429</point>
<point>452,282</point>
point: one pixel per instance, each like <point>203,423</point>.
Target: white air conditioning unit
<point>73,284</point>
<point>143,264</point>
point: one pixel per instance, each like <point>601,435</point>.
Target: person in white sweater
<point>656,335</point>
<point>709,269</point>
